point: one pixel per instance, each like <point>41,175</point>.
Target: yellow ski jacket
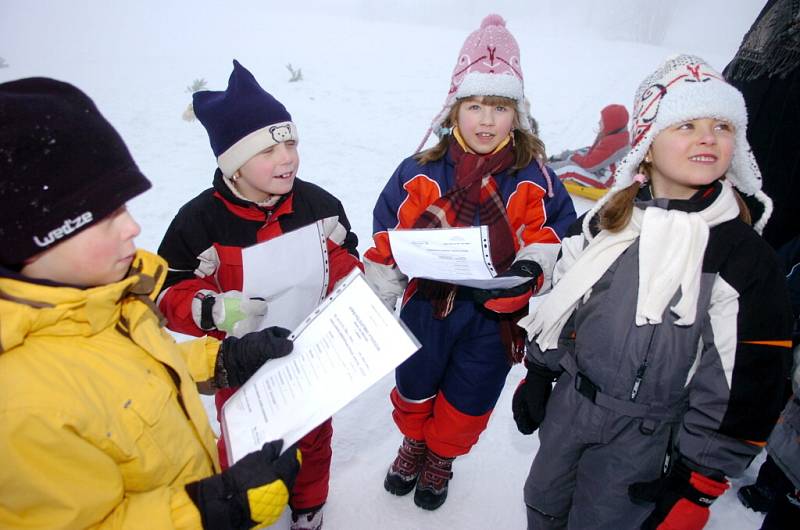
<point>101,424</point>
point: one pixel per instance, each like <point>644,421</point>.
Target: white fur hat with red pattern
<point>686,88</point>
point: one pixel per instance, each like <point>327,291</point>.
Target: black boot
<point>403,472</point>
<point>756,497</point>
<point>770,485</point>
<point>434,478</point>
<point>784,513</point>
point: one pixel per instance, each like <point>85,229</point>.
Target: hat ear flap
<point>526,119</point>
<point>764,199</point>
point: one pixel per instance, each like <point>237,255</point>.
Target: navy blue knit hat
<point>63,167</point>
<point>242,120</point>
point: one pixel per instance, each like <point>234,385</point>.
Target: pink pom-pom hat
<point>488,65</point>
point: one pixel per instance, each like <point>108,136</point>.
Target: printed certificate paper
<point>292,287</point>
<point>454,255</point>
<point>348,343</point>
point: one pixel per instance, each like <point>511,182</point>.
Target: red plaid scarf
<point>475,191</point>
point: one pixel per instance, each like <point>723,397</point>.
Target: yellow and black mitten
<point>252,492</point>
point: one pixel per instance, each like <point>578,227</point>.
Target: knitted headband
<point>686,88</point>
<point>488,65</point>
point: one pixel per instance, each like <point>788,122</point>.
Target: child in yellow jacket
<point>101,423</point>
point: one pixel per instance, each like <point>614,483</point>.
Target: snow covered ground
<point>374,74</point>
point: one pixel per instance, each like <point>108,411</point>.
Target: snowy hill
<point>374,75</point>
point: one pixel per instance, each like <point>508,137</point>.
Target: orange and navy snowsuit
<point>446,391</point>
<point>203,248</point>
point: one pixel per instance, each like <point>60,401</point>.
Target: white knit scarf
<point>671,248</point>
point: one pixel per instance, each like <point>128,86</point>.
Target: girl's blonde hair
<point>617,212</point>
<point>527,146</point>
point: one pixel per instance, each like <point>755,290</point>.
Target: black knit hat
<point>62,166</point>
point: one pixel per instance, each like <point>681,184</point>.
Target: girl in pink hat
<point>487,169</point>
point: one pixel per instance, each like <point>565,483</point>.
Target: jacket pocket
<point>140,420</point>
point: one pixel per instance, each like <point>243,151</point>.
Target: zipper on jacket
<point>267,216</point>
<point>637,382</point>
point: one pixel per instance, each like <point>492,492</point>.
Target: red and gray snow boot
<point>433,480</point>
<point>403,472</point>
<point>310,520</point>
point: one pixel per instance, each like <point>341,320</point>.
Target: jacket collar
<point>222,188</point>
<point>44,308</point>
<point>248,209</point>
<point>698,202</point>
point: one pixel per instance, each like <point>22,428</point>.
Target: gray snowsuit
<point>630,398</point>
<point>784,442</point>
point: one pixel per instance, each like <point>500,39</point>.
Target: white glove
<point>387,281</point>
<point>229,311</point>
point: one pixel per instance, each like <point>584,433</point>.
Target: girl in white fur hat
<point>668,328</point>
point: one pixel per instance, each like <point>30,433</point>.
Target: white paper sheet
<point>347,344</point>
<point>453,255</point>
<point>290,272</point>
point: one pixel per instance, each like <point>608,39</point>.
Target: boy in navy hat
<point>255,196</point>
<point>100,420</point>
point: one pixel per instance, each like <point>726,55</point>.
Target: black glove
<point>682,498</point>
<point>253,491</point>
<point>530,398</point>
<point>239,358</point>
<point>515,298</point>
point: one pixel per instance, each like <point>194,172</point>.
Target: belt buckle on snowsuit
<point>585,386</point>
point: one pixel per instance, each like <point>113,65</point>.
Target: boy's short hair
<point>63,167</point>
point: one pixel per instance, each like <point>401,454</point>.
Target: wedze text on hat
<point>69,226</point>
